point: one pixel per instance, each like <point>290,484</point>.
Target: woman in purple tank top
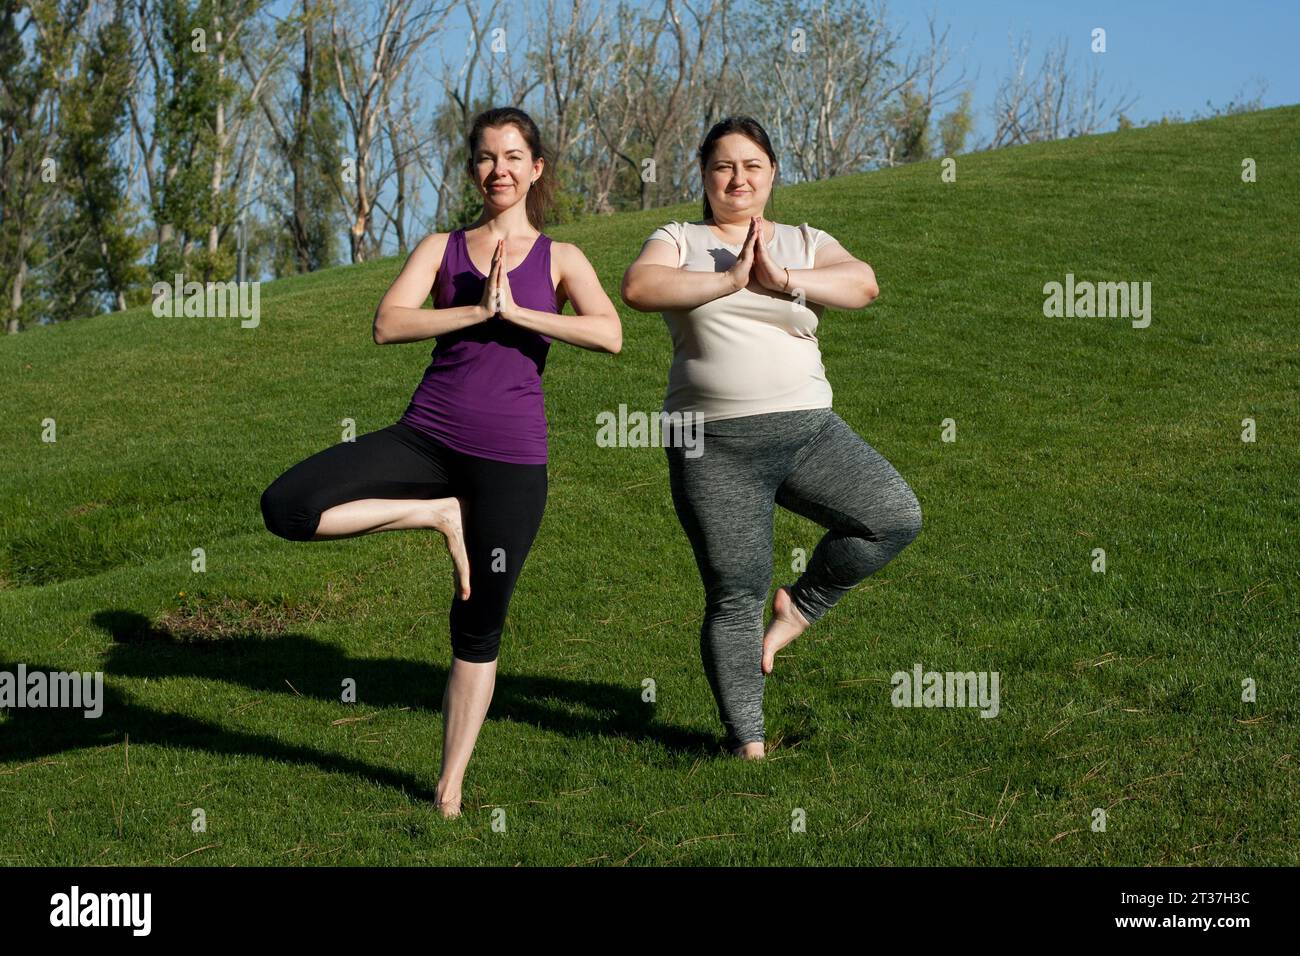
<point>468,457</point>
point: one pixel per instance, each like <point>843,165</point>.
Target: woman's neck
<point>511,222</point>
<point>732,227</point>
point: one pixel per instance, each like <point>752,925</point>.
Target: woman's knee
<point>476,624</point>
<point>476,648</point>
<point>901,523</point>
<point>738,596</point>
<point>285,515</point>
<point>908,525</point>
<point>891,513</point>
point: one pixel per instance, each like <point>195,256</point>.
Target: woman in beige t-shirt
<point>742,298</point>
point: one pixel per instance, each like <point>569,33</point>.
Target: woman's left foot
<point>787,624</point>
<point>752,751</point>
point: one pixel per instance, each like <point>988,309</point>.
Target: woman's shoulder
<point>812,237</point>
<point>673,231</point>
<point>674,227</point>
<point>432,247</point>
<point>436,240</point>
<point>566,255</point>
<point>804,229</point>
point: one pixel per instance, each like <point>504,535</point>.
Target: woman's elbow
<point>870,289</point>
<point>379,331</point>
<point>626,292</point>
<point>632,291</point>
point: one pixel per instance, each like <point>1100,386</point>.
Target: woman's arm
<point>837,279</point>
<point>595,326</point>
<point>399,317</point>
<point>654,282</point>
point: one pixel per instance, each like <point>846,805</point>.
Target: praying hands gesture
<point>755,262</point>
<point>497,302</point>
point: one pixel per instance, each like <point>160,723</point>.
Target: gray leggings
<point>812,463</point>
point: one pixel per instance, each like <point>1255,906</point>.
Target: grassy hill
<point>1120,691</point>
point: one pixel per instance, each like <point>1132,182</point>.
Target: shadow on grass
<point>289,663</point>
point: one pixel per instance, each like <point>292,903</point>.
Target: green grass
<point>1119,690</point>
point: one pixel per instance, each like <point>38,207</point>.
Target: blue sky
<point>1173,56</point>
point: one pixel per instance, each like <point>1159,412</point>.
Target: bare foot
<point>448,803</point>
<point>787,624</point>
<point>447,519</point>
<point>750,751</point>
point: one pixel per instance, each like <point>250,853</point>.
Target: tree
<point>828,74</point>
<point>98,232</point>
<point>955,127</point>
<point>365,71</point>
<point>907,136</point>
<point>305,133</point>
<point>1051,103</point>
<point>184,94</point>
<point>29,127</point>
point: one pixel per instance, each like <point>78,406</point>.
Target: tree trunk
<point>16,297</point>
<point>214,230</point>
<point>301,243</point>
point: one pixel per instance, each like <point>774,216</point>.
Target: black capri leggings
<point>501,515</point>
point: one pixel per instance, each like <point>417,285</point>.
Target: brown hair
<point>541,193</point>
<point>746,126</point>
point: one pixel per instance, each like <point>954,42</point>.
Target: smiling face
<point>738,178</point>
<point>504,167</point>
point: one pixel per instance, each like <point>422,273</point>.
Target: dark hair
<point>746,126</point>
<point>541,193</point>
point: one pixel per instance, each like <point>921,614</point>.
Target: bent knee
<point>908,526</point>
<point>895,520</point>
<point>285,516</point>
<point>897,525</point>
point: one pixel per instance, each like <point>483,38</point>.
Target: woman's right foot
<point>750,751</point>
<point>787,623</point>
<point>447,519</point>
<point>448,804</point>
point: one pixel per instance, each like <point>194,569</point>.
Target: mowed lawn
<point>1119,690</point>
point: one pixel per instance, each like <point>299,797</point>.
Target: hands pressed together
<point>497,301</point>
<point>754,265</point>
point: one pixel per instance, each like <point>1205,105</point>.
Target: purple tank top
<point>482,392</point>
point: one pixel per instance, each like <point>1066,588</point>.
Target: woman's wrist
<point>791,283</point>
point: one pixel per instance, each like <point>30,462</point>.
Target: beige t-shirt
<point>746,353</point>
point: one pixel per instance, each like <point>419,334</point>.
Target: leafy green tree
<point>955,127</point>
<point>33,260</point>
<point>98,231</point>
<point>909,122</point>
